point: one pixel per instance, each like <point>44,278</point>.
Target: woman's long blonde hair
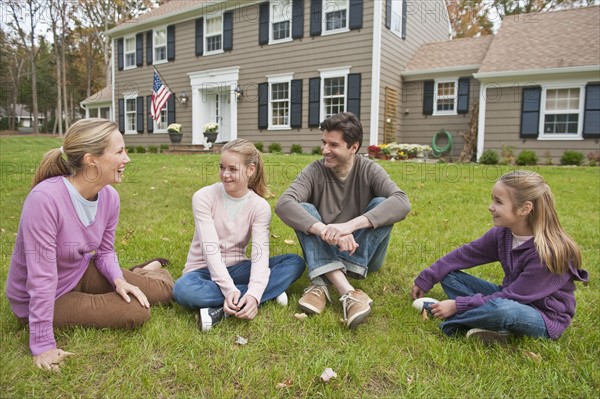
<point>257,182</point>
<point>556,248</point>
<point>86,136</point>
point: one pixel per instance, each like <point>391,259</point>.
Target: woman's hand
<point>51,359</point>
<point>417,292</point>
<point>123,288</point>
<point>248,308</point>
<point>444,309</point>
<point>231,305</point>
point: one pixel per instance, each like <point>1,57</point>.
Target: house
<point>268,71</point>
<point>536,84</point>
<point>23,116</point>
<point>99,105</point>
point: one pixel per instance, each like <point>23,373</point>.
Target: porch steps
<point>180,149</point>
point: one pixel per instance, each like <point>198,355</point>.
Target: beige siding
<point>502,125</point>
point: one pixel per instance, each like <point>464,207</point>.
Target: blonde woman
<point>218,279</point>
<point>541,263</point>
<point>64,270</point>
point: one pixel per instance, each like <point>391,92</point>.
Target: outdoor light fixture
<point>183,98</point>
<point>238,92</point>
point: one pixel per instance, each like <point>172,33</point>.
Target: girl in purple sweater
<point>64,270</point>
<point>540,262</point>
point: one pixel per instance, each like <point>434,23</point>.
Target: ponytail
<point>52,164</point>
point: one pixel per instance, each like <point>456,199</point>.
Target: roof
<point>555,39</point>
<point>450,54</point>
<point>21,111</point>
<point>103,96</point>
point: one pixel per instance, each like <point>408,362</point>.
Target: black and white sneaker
<point>208,317</point>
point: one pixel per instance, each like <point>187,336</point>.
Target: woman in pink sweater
<point>64,270</point>
<point>218,279</point>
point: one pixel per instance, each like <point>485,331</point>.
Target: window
<point>281,20</point>
<point>130,60</point>
<point>445,98</point>
<point>396,23</point>
<point>130,114</point>
<point>279,101</point>
<point>159,42</point>
<point>214,34</point>
<point>105,112</point>
<point>93,112</point>
<point>161,125</point>
<point>335,15</point>
<point>562,109</point>
<point>334,95</point>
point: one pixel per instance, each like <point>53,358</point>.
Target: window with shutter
<point>279,101</point>
<point>130,114</point>
<point>160,45</point>
<point>213,35</point>
<point>130,52</point>
<point>445,97</point>
<point>562,111</point>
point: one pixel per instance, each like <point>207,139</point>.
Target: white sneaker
<point>424,304</point>
<point>282,299</point>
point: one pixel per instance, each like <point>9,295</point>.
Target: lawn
<point>394,354</point>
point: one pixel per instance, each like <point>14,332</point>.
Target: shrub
<point>593,158</point>
<point>296,149</point>
<point>571,158</point>
<point>508,156</point>
<point>527,157</point>
<point>489,157</point>
<point>316,150</point>
<point>274,148</point>
<point>140,149</point>
<point>164,147</point>
<point>4,123</point>
<point>260,146</point>
<point>152,149</point>
<point>130,149</point>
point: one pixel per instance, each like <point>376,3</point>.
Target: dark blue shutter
<point>150,121</point>
<point>120,54</point>
<point>428,87</point>
<point>140,115</point>
<point>139,49</point>
<point>356,14</point>
<point>314,102</point>
<point>122,115</point>
<point>297,19</point>
<point>353,95</point>
<point>388,14</point>
<point>199,37</point>
<point>463,96</point>
<point>228,31</point>
<point>404,18</point>
<point>316,17</point>
<point>171,110</point>
<point>149,49</point>
<point>263,105</point>
<point>591,115</point>
<point>296,103</point>
<point>171,42</point>
<point>530,112</point>
<point>263,23</point>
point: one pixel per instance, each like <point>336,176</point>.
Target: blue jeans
<point>496,315</point>
<point>322,258</point>
<point>195,289</point>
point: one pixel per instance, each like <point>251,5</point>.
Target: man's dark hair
<point>348,124</point>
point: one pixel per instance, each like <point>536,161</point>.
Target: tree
<point>469,18</point>
<point>13,58</point>
<point>514,7</point>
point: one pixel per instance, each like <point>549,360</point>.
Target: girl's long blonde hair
<point>257,182</point>
<point>86,136</point>
<point>556,248</point>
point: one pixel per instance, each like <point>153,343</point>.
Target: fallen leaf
<point>409,379</point>
<point>445,220</point>
<point>328,374</point>
<point>536,357</point>
<point>275,236</point>
<point>285,384</point>
<point>2,230</point>
<point>241,340</point>
<point>424,315</point>
<point>289,242</point>
<point>152,188</point>
<point>300,316</point>
<point>165,238</point>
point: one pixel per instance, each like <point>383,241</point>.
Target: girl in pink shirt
<point>218,279</point>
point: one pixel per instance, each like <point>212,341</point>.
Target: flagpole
<point>163,80</point>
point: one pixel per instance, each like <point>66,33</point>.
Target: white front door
<point>218,110</point>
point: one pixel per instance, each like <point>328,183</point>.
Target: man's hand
<point>347,243</point>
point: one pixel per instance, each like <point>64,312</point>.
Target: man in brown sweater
<point>342,208</point>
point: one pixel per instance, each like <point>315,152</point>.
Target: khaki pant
<point>94,302</point>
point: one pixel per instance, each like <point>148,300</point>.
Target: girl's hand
<point>51,359</point>
<point>444,309</point>
<point>417,292</point>
<point>231,304</point>
<point>248,308</point>
<point>123,288</point>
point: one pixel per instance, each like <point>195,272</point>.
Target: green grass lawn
<point>393,355</point>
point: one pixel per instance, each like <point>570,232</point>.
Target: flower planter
<point>175,137</point>
<point>211,137</point>
<point>385,157</point>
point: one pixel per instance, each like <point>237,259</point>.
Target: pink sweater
<point>219,242</point>
<point>52,252</point>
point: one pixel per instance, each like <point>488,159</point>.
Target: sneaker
<point>314,299</point>
<point>357,306</point>
<point>209,317</point>
<point>489,336</point>
<point>282,299</point>
<point>424,304</point>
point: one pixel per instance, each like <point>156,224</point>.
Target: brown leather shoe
<point>357,306</point>
<point>314,299</point>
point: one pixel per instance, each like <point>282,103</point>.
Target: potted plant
<point>385,152</point>
<point>175,134</point>
<point>211,130</point>
<point>373,151</point>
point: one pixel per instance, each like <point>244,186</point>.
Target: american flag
<point>160,95</point>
